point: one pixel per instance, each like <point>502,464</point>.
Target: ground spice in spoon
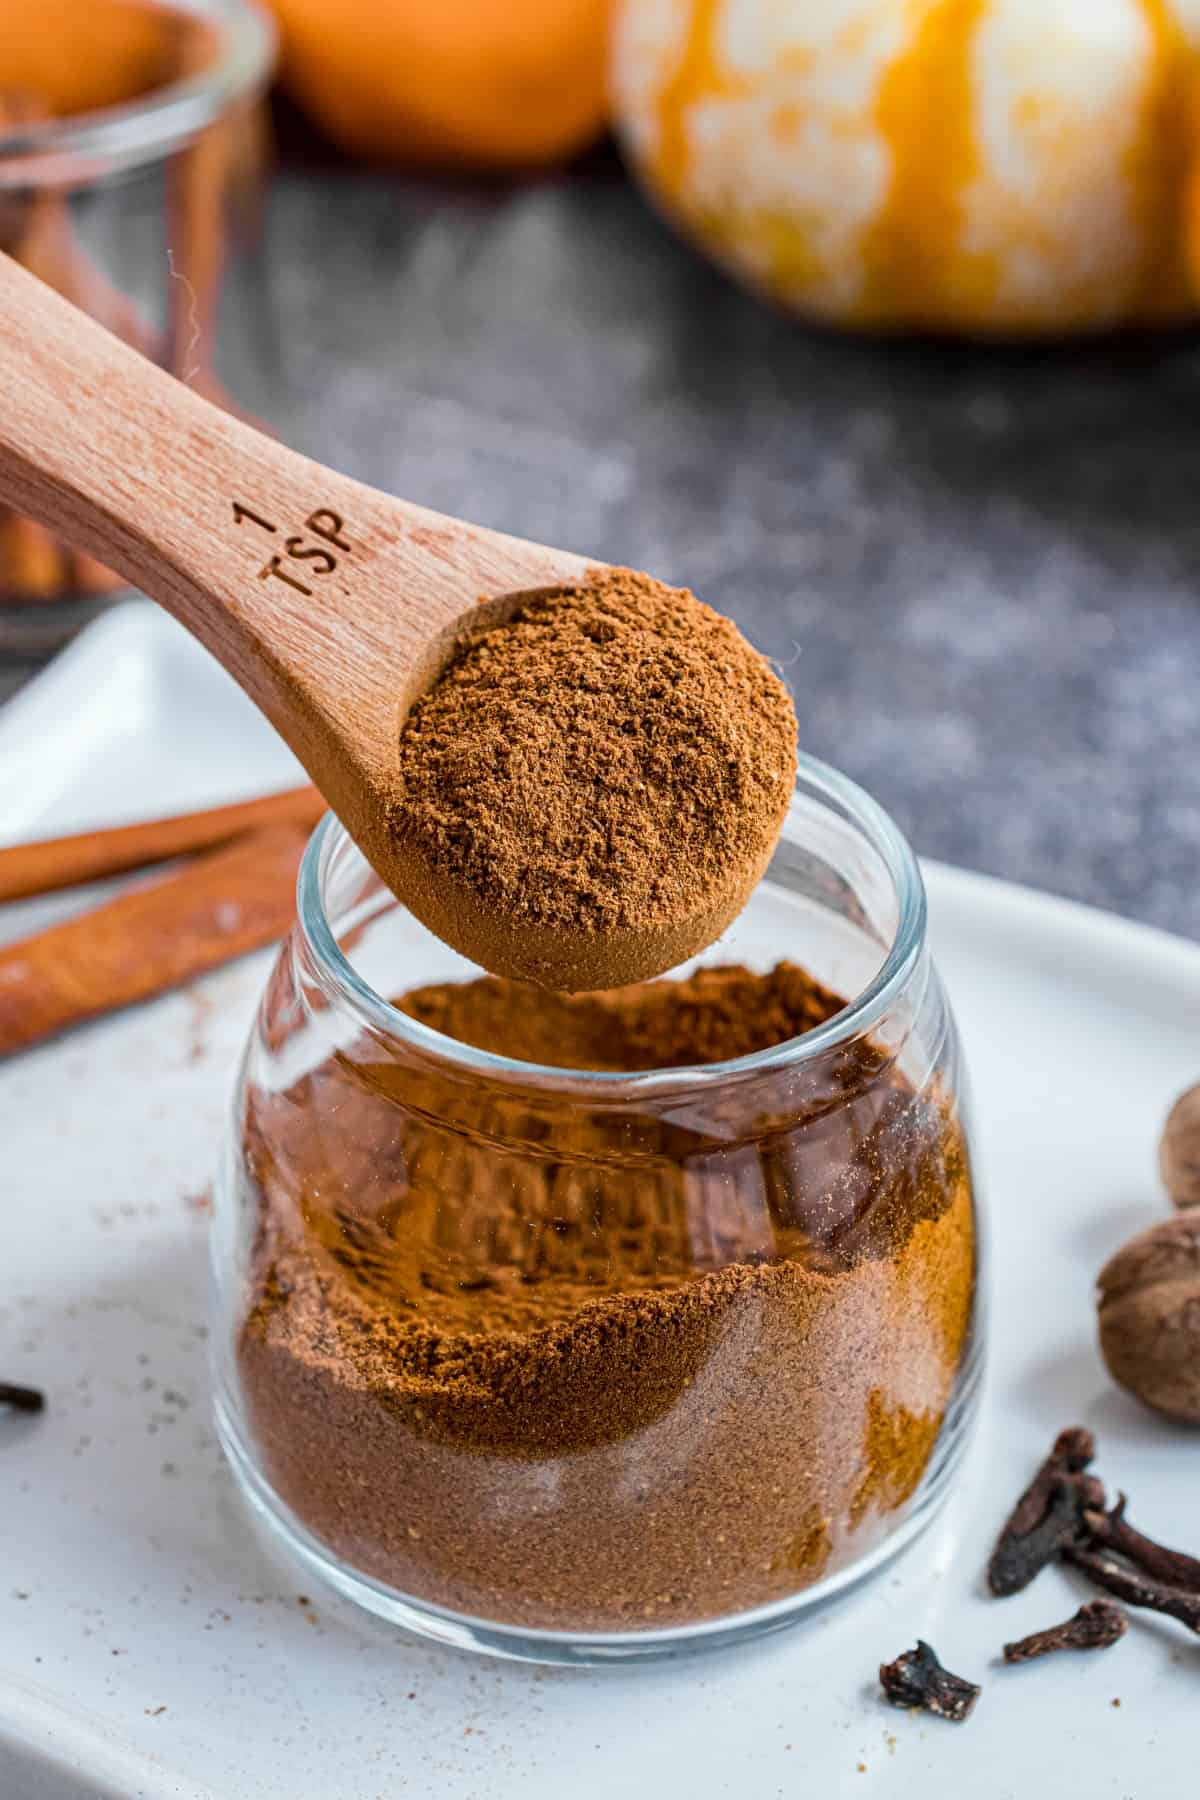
<point>610,765</point>
<point>590,1367</point>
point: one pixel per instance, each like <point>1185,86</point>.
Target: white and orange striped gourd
<point>1007,167</point>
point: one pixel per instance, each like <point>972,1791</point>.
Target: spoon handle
<point>307,586</point>
<point>129,464</point>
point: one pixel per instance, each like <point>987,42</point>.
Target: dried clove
<point>1016,1560</point>
<point>1073,1450</point>
<point>1134,1587</point>
<point>1112,1531</point>
<point>1094,1627</point>
<point>1049,1513</point>
<point>21,1399</point>
<point>918,1681</point>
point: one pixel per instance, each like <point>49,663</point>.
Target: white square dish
<point>149,1646</point>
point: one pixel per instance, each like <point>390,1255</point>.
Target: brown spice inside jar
<point>613,1370</point>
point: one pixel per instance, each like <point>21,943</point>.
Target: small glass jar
<point>132,162</point>
<point>590,1363</point>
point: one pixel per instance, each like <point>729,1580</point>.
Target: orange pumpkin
<point>972,166</point>
<point>508,83</point>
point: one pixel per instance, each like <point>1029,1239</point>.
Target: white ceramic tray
<point>148,1645</point>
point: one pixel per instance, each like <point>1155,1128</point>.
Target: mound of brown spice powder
<point>609,767</point>
<point>714,1015</point>
<point>592,1368</point>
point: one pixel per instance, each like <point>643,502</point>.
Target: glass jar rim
<point>346,988</point>
<point>88,147</point>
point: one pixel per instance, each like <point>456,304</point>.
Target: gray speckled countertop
<point>980,569</point>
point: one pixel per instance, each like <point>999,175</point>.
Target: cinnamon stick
<point>53,863</point>
<point>32,563</point>
<point>152,938</point>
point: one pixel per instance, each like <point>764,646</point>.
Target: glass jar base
<point>284,1532</point>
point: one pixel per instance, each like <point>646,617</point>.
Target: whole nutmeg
<point>1179,1152</point>
<point>1150,1317</point>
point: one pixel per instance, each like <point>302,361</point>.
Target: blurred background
<point>870,320</point>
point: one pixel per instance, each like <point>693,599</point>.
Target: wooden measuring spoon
<point>333,605</point>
